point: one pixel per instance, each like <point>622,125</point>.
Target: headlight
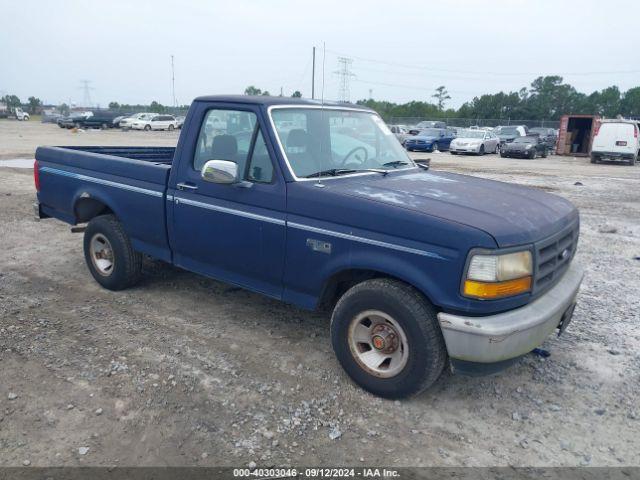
<point>528,147</point>
<point>498,276</point>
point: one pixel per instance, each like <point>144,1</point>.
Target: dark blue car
<point>430,139</point>
<point>320,206</point>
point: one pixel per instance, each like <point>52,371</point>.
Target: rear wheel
<point>434,147</point>
<point>544,153</point>
<point>104,126</point>
<point>110,257</point>
<point>632,162</point>
<point>532,154</point>
<point>387,338</point>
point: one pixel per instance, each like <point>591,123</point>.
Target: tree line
<point>547,98</point>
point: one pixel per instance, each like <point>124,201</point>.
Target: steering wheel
<point>346,157</point>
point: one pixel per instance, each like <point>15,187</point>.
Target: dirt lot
<point>185,370</point>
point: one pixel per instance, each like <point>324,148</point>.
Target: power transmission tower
<point>345,76</point>
<point>86,88</point>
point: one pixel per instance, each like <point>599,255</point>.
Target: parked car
<point>429,140</point>
<point>116,120</point>
<point>421,269</point>
<point>156,122</point>
<point>549,135</point>
<point>102,119</point>
<point>427,124</point>
<point>525,147</point>
<point>508,134</point>
<point>475,141</point>
<point>50,117</point>
<point>127,122</point>
<point>616,140</point>
<point>180,120</point>
<point>73,120</point>
<point>400,131</point>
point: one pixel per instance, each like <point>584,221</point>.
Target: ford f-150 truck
<point>318,205</point>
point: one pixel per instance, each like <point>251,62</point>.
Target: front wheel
<point>171,128</point>
<point>386,336</point>
<point>110,257</point>
<point>481,151</point>
<point>147,128</point>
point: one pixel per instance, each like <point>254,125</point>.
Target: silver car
<point>400,131</point>
<point>478,142</point>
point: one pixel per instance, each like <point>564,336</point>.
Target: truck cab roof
<point>268,101</point>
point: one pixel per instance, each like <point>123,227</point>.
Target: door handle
<point>186,186</point>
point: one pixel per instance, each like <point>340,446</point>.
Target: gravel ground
<point>184,370</point>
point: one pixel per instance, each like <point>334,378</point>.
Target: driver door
<point>232,232</point>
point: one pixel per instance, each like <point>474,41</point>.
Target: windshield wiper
<point>332,171</point>
<point>342,171</point>
<point>395,163</point>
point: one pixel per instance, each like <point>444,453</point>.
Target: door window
<point>234,135</point>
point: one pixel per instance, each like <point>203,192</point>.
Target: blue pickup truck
<point>318,205</point>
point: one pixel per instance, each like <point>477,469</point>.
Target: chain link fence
<point>481,122</point>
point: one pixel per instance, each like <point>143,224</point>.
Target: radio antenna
<point>324,56</point>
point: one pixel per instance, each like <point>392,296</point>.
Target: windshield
<point>509,131</point>
<point>429,132</point>
<point>471,134</point>
<point>321,140</point>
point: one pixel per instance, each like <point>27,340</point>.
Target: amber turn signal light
<point>492,290</point>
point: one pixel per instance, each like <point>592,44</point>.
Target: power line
<point>480,72</point>
<point>345,76</point>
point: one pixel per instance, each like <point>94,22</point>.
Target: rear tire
<point>405,317</point>
<point>110,257</point>
<point>434,147</point>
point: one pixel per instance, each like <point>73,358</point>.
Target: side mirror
<point>220,171</point>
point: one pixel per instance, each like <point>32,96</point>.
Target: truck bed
<point>131,181</point>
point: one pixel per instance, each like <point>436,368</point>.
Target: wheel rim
<point>378,343</point>
<point>101,254</point>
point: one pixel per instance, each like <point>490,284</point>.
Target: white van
<point>616,140</point>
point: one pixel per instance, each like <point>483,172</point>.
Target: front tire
<point>481,151</point>
<point>171,128</point>
<point>386,336</point>
<point>147,128</point>
<point>110,257</point>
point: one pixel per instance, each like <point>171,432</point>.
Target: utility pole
<point>345,77</point>
<point>173,83</point>
<point>313,75</point>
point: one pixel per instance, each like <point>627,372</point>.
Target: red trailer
<point>576,135</point>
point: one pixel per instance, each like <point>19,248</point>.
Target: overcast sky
<point>401,50</point>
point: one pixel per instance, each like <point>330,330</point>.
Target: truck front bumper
<point>504,336</point>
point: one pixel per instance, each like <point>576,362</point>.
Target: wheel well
<point>88,208</point>
<point>342,281</point>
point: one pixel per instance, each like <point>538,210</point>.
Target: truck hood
<point>511,214</point>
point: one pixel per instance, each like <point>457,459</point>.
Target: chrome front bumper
<point>510,334</point>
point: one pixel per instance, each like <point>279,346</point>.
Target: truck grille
<point>553,256</point>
